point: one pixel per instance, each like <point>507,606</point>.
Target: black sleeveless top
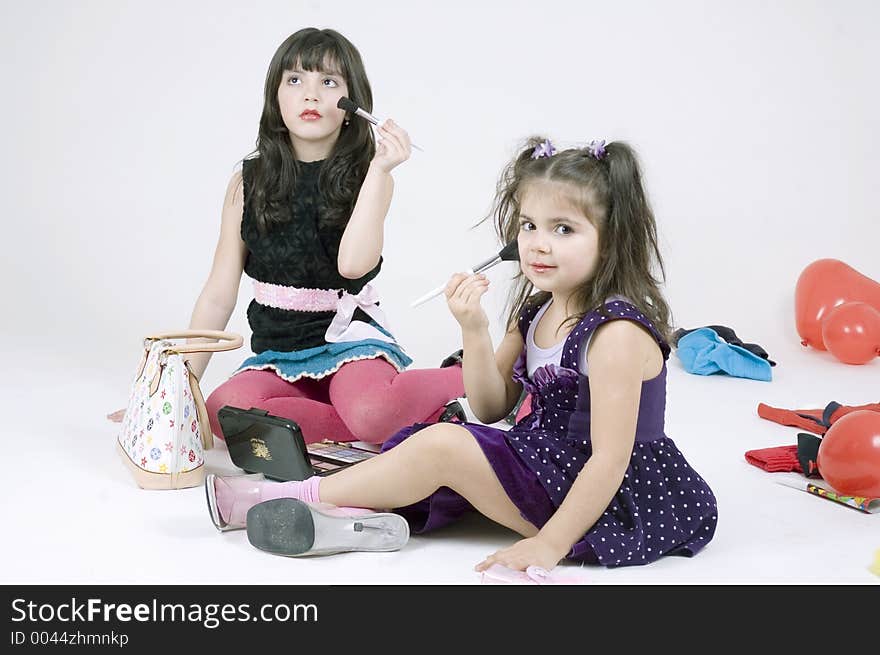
<point>301,252</point>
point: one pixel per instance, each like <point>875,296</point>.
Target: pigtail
<point>505,213</point>
<point>630,237</point>
<point>506,207</point>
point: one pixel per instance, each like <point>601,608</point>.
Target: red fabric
<point>776,459</point>
<point>790,416</point>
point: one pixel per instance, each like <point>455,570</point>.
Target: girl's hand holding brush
<point>393,148</point>
<point>509,253</point>
<point>463,293</point>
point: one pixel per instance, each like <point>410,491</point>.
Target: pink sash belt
<point>342,328</point>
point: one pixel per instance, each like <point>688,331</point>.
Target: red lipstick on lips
<point>310,115</point>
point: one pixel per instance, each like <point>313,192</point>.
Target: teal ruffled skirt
<point>321,361</point>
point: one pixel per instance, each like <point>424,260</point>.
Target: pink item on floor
<point>533,575</point>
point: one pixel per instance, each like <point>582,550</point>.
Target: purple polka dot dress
<point>663,506</point>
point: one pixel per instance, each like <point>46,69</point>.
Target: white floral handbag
<point>166,431</point>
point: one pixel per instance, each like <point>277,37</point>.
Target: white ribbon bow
<point>344,329</point>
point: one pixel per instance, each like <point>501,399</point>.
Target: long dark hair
<point>609,192</point>
<point>274,162</point>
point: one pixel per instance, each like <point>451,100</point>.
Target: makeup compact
<point>259,442</point>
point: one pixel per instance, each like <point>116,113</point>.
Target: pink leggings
<point>366,400</point>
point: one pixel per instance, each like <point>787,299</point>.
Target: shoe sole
<point>290,527</point>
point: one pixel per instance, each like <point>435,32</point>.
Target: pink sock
<point>305,490</point>
<point>233,503</point>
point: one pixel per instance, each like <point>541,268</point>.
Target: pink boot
<point>231,496</point>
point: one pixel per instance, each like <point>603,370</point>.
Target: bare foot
<point>117,416</point>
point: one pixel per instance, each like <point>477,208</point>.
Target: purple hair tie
<point>597,148</point>
<point>543,149</point>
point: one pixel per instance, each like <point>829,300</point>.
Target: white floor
<point>72,515</point>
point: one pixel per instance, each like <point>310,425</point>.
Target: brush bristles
<point>347,104</point>
<point>510,252</point>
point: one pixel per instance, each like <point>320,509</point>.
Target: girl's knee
<point>369,426</point>
<point>215,400</point>
<point>431,450</point>
<point>219,398</point>
<point>238,391</point>
<point>244,390</point>
<point>446,443</point>
<point>369,418</point>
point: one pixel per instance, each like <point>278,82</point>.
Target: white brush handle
<point>375,121</point>
<point>479,268</point>
<point>435,292</point>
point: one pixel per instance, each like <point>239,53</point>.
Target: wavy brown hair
<point>609,192</point>
<point>274,162</point>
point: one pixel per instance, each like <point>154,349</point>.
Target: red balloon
<point>823,285</point>
<point>851,332</point>
<point>849,454</point>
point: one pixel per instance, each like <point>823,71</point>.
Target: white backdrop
<point>757,124</point>
<point>758,127</point>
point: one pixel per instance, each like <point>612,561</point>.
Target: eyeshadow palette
<point>326,454</point>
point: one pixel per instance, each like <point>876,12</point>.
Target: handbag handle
<point>225,340</point>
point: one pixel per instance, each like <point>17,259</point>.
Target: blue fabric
<point>321,361</point>
<point>703,352</point>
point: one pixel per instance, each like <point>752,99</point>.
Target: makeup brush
<point>509,253</point>
<point>347,104</point>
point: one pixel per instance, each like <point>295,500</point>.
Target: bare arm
<point>488,377</point>
<point>364,236</point>
<point>217,300</point>
<point>488,383</point>
<point>362,241</point>
<point>616,362</point>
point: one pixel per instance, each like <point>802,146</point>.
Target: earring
<point>346,121</point>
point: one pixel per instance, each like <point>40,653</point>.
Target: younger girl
<point>304,219</point>
<point>589,474</point>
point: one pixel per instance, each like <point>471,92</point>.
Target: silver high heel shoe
<point>291,527</point>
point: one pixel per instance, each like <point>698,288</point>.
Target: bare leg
<point>442,455</point>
